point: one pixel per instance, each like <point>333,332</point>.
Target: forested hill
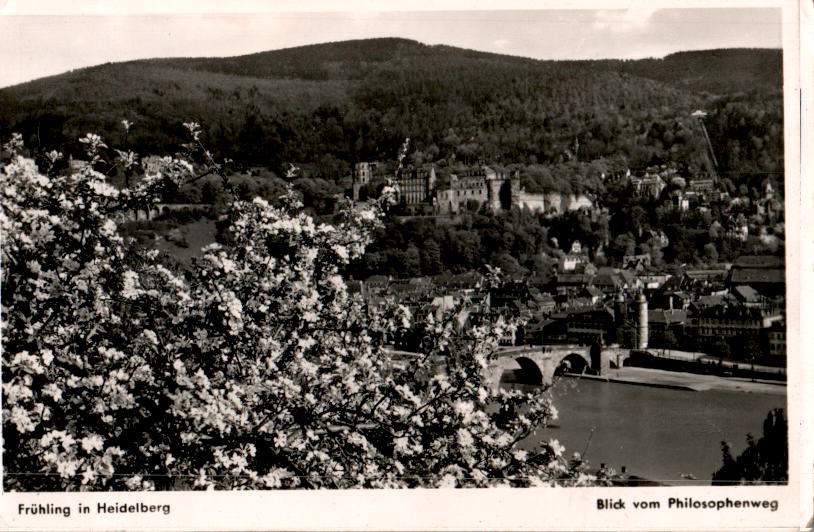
<point>340,60</point>
<point>716,71</point>
<point>333,104</point>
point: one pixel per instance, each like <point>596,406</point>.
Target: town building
<point>706,281</point>
<point>569,284</point>
<point>651,282</point>
<point>748,296</point>
<point>612,281</point>
<point>670,300</point>
<point>511,296</point>
<point>575,259</point>
<point>467,282</point>
<point>591,326</point>
<point>747,325</point>
<point>552,330</point>
<point>636,262</point>
<point>776,339</point>
<point>678,200</point>
<point>667,328</point>
<point>765,274</point>
<point>416,288</point>
<point>649,186</point>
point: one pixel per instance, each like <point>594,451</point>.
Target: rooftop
<point>759,261</point>
<point>746,293</point>
<point>742,276</point>
<point>667,316</point>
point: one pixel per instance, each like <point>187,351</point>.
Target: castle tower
<point>515,180</point>
<point>362,173</point>
<point>494,193</point>
<point>431,181</point>
<point>641,325</point>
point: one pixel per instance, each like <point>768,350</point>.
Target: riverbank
<point>683,381</point>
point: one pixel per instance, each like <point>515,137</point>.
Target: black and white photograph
<point>343,250</point>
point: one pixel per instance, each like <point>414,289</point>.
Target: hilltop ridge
<point>334,104</point>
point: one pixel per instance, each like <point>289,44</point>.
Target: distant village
<point>735,313</point>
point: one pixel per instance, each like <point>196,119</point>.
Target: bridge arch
<point>572,363</point>
<point>530,372</point>
<point>618,357</point>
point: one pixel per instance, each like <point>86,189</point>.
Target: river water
<point>657,433</point>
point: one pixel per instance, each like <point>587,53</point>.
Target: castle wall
<point>482,185</point>
<point>494,194</point>
<point>560,203</point>
<point>532,202</point>
<point>447,202</point>
<point>579,202</point>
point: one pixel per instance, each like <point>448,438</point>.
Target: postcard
<point>442,265</point>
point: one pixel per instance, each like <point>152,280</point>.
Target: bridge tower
<point>619,309</point>
<point>600,363</point>
<point>641,326</point>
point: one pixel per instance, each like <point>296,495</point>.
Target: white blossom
<point>92,443</point>
<point>251,352</point>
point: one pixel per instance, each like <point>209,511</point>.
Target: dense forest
<point>335,104</point>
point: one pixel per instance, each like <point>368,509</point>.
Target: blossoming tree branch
<point>253,369</point>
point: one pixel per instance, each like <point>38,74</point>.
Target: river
<point>657,433</point>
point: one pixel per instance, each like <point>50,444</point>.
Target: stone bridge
<point>159,209</point>
<point>539,364</point>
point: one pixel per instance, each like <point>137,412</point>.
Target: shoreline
<point>694,382</point>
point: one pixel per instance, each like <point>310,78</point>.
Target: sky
<point>42,37</point>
